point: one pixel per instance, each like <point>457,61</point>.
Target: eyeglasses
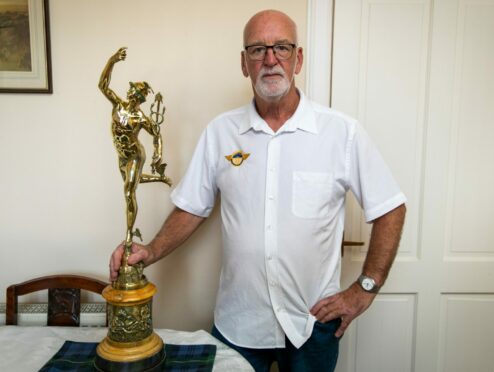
<point>258,52</point>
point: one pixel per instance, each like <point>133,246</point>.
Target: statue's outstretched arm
<point>104,81</point>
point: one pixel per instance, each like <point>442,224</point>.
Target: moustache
<point>275,70</point>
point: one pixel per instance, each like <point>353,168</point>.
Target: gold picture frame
<point>25,56</point>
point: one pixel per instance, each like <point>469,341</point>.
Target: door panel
<point>466,341</point>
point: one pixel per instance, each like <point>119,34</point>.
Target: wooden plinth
<point>122,297</point>
<point>129,352</point>
<point>130,345</point>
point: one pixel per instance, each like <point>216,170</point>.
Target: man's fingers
<point>322,314</point>
<point>320,309</point>
<point>115,260</point>
<point>343,326</point>
<point>138,254</point>
<point>317,307</point>
<point>330,315</point>
<point>325,311</point>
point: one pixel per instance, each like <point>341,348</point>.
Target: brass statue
<point>127,121</point>
<point>131,344</point>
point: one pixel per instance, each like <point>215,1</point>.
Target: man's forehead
<point>270,27</point>
<point>270,35</point>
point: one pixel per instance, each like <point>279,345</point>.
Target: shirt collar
<point>303,118</point>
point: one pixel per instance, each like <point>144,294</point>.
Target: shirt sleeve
<point>196,191</point>
<point>369,177</point>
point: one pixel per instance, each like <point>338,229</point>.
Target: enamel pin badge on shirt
<point>237,158</point>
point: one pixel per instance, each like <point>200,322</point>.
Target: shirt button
<point>271,197</point>
<point>269,257</point>
<point>272,284</point>
<point>268,227</point>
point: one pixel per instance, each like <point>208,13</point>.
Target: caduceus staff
<point>157,116</point>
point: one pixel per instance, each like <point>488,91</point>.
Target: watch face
<point>368,284</point>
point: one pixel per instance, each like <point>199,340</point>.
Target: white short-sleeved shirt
<point>282,212</point>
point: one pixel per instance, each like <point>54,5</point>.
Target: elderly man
<point>283,165</point>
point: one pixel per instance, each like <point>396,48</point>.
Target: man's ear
<point>300,60</point>
<point>243,63</point>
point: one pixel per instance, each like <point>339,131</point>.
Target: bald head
<point>270,26</point>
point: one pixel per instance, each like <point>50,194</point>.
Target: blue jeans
<point>319,353</point>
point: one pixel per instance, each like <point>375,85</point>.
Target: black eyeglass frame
<point>294,46</point>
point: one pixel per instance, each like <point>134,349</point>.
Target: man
<point>283,165</point>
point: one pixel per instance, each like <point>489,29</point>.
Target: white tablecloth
<point>26,349</point>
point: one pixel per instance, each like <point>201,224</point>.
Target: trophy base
<point>147,355</point>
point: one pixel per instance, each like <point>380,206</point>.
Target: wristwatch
<point>368,284</point>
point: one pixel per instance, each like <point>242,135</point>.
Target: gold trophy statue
<point>131,344</point>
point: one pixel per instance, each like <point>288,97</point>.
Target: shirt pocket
<point>311,195</point>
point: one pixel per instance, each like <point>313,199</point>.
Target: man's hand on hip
<point>346,305</point>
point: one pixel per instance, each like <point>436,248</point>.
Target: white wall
<point>62,207</point>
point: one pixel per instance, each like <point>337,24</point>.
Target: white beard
<point>274,89</point>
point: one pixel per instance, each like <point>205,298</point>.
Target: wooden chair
<point>64,297</point>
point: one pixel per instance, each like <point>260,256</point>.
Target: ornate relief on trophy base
<point>131,344</point>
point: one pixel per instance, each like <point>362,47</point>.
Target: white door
<point>419,75</point>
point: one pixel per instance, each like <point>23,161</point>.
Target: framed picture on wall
<point>25,62</point>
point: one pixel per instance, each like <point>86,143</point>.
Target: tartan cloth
<point>79,356</point>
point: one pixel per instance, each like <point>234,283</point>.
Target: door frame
<point>319,50</point>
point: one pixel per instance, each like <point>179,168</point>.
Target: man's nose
<point>270,59</point>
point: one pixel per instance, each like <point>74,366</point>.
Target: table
<point>26,349</point>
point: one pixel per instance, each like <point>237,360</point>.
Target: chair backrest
<point>64,297</point>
